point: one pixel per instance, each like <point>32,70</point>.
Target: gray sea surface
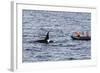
<point>61,25</point>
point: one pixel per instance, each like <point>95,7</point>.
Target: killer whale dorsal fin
<point>47,36</point>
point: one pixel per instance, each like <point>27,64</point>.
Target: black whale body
<point>46,40</point>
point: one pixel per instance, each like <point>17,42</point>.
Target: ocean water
<point>61,25</point>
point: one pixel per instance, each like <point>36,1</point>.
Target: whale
<point>45,40</point>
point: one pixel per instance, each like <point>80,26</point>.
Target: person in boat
<point>82,33</point>
<point>87,34</point>
<point>77,34</point>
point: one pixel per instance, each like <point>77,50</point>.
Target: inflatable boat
<point>81,38</point>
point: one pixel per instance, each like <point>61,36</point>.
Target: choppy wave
<point>36,23</point>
